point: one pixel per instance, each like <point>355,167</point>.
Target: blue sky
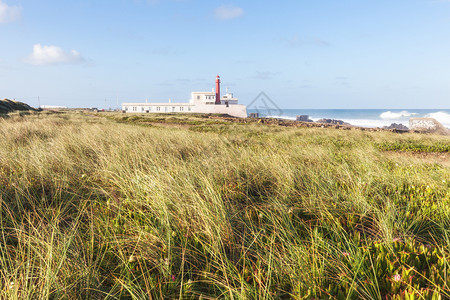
<point>302,54</point>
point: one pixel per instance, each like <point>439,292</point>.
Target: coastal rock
<point>427,125</point>
<point>304,118</point>
<point>332,121</point>
<point>396,126</point>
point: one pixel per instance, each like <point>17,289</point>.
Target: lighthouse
<point>200,102</point>
<point>217,89</point>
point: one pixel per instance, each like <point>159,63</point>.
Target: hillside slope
<point>7,106</point>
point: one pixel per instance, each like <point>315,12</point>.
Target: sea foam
<point>389,115</point>
<point>370,123</point>
<point>441,116</point>
<point>378,119</point>
<point>282,117</point>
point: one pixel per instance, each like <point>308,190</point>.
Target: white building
<point>200,102</point>
<point>52,107</point>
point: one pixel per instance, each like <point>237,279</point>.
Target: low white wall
<point>237,110</point>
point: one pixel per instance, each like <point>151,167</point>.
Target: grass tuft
<point>107,206</point>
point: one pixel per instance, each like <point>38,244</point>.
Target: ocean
<point>360,117</point>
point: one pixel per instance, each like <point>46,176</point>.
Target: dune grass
<point>93,207</point>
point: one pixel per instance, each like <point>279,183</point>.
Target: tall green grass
<point>98,208</point>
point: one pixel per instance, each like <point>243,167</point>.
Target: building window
<point>142,108</point>
<point>181,108</point>
<point>189,108</point>
<point>198,97</point>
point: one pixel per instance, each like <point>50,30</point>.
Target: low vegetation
<point>414,146</point>
<point>7,106</point>
<point>96,206</point>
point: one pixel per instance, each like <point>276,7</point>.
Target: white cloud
<point>227,12</point>
<point>9,13</point>
<point>51,55</point>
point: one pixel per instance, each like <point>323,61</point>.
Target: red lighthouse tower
<point>217,89</point>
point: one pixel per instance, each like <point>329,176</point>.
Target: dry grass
<point>95,208</point>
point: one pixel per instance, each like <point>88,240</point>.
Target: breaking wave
<point>389,115</point>
<point>371,123</point>
<point>282,117</point>
<point>441,116</point>
<point>367,119</point>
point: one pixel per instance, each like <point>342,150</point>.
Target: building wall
<point>228,97</point>
<point>236,110</point>
<point>203,98</point>
<point>157,107</point>
<point>200,102</point>
<point>209,98</point>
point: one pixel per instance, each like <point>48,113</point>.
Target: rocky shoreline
<point>324,123</point>
<point>304,121</point>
